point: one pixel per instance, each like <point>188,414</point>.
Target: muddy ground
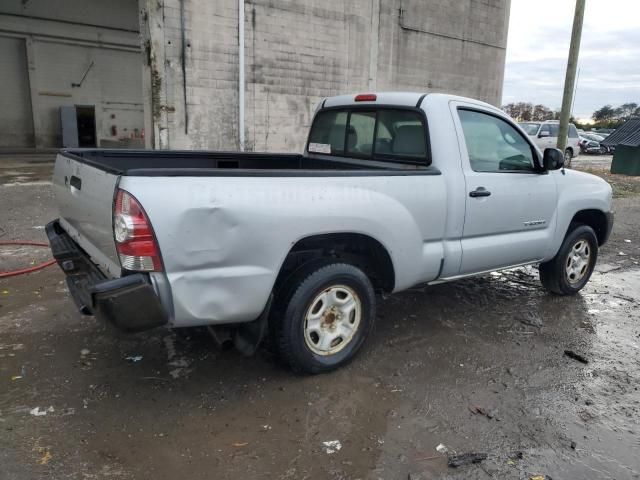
<point>170,404</point>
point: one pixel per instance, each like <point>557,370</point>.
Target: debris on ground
<point>240,444</point>
<point>622,254</point>
<point>46,456</point>
<point>134,358</point>
<point>41,412</point>
<point>456,461</point>
<point>332,446</point>
<point>517,455</point>
<point>442,448</point>
<point>573,445</point>
<point>514,458</point>
<point>586,415</point>
<point>576,356</point>
<point>84,352</point>
<point>16,377</point>
<point>476,409</point>
<point>531,319</point>
<point>626,240</point>
<point>45,453</point>
<point>540,477</point>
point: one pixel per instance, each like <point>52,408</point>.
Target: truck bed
<point>207,163</point>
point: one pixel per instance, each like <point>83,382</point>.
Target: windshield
<point>596,138</point>
<point>530,128</point>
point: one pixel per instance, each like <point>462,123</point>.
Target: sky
<point>538,45</point>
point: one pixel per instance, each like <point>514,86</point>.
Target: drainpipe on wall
<point>241,74</point>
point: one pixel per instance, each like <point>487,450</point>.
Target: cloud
<point>538,45</point>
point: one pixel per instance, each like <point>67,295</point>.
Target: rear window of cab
<point>384,133</point>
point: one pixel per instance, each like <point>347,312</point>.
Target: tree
<point>605,114</point>
<point>626,110</point>
<point>541,113</point>
<point>521,111</point>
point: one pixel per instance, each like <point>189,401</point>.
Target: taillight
<point>366,97</point>
<point>135,243</point>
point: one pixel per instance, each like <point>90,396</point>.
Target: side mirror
<point>544,134</point>
<point>552,159</point>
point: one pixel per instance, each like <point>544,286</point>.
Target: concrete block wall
<point>194,107</point>
<point>299,51</point>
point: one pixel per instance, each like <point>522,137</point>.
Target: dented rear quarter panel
<point>224,239</point>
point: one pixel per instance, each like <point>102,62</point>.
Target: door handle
<point>479,192</point>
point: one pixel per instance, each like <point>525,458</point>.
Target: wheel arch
<point>360,250</point>
<point>595,219</point>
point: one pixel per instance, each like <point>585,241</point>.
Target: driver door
<point>510,205</point>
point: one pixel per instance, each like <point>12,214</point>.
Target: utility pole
<point>570,77</point>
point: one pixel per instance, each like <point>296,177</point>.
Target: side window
<point>494,145</point>
<point>360,133</point>
<point>573,133</point>
<point>328,132</point>
<point>553,128</point>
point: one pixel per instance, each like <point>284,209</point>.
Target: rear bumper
<point>129,302</point>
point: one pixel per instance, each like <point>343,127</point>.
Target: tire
<point>569,271</point>
<point>568,156</point>
<point>323,317</point>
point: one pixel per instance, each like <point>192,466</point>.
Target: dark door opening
<point>86,120</point>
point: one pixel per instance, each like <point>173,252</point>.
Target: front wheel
<point>325,317</point>
<point>569,271</point>
<point>568,155</point>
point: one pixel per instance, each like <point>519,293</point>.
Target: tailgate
<point>85,195</point>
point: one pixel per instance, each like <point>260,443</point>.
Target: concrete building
<point>184,67</point>
<point>68,53</point>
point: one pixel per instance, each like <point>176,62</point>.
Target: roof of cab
<point>409,99</point>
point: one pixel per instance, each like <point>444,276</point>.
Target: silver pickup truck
<point>392,190</point>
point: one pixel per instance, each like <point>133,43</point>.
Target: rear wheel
<point>569,271</point>
<point>324,317</point>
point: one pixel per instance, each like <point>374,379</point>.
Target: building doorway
<point>78,126</point>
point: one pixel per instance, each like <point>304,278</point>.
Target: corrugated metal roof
<point>627,134</point>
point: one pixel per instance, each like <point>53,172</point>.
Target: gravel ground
<point>476,365</point>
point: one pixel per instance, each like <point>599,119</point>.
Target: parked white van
<point>545,135</point>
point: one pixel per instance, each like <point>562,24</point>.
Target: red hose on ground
<point>40,266</point>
